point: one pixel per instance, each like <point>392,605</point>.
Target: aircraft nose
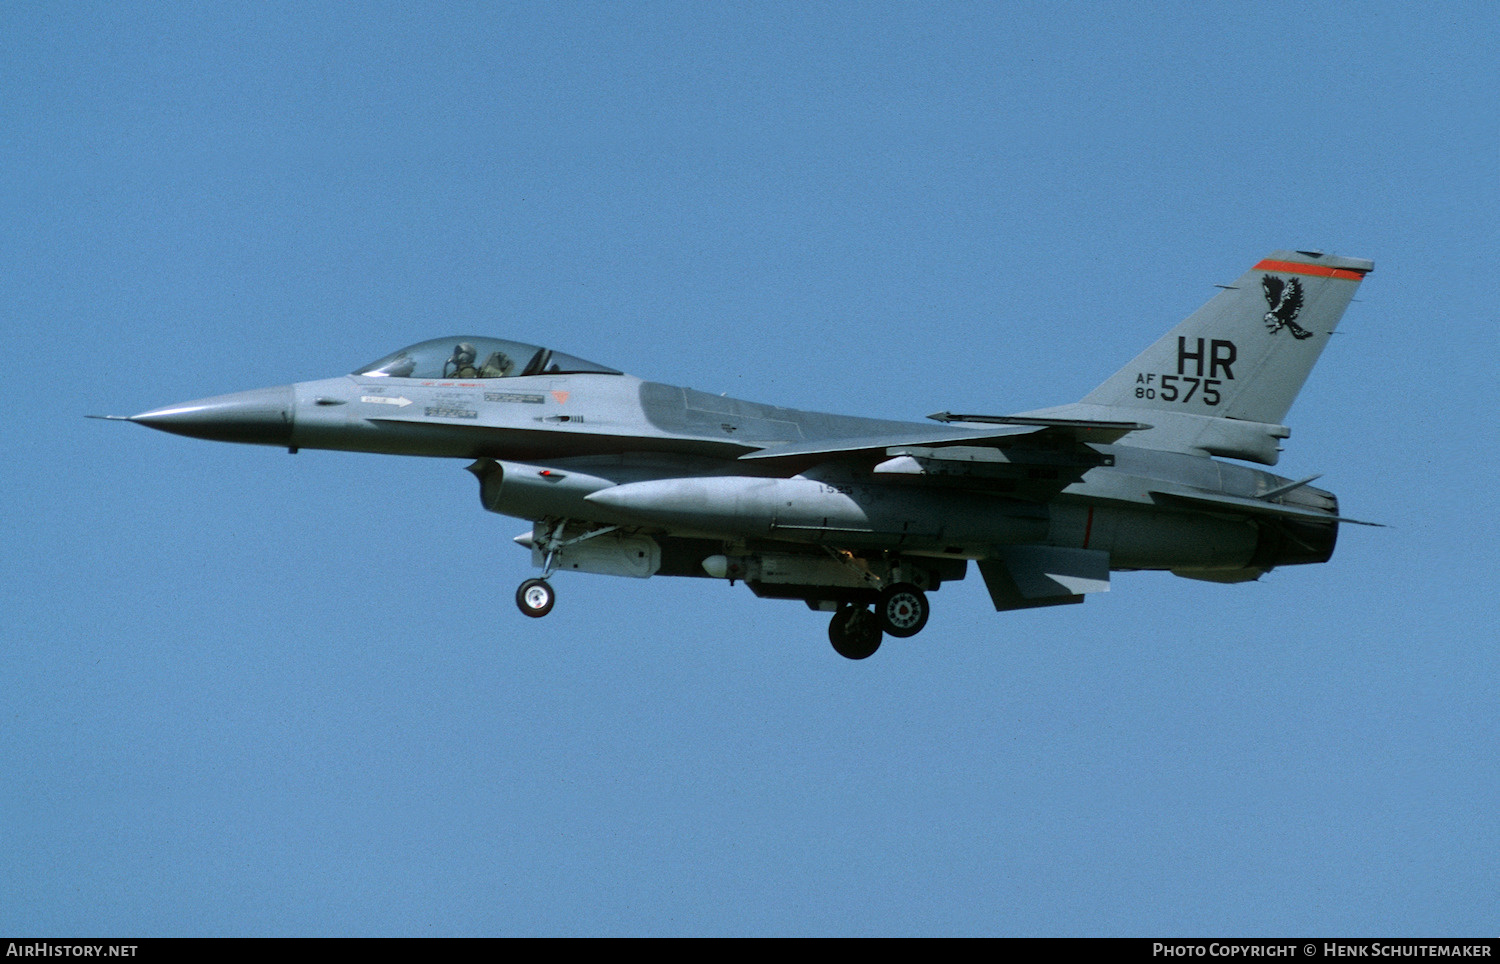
<point>262,416</point>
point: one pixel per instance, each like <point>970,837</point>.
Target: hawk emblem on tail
<point>1285,299</point>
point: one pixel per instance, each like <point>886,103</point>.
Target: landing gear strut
<point>855,632</point>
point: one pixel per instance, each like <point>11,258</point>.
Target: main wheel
<point>854,632</point>
<point>903,609</point>
<point>535,598</point>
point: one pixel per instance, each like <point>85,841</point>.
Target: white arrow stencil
<point>401,402</point>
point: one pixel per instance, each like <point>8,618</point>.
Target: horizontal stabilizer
<point>1022,577</point>
<point>1237,504</point>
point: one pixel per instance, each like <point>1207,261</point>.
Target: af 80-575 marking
<point>1220,354</point>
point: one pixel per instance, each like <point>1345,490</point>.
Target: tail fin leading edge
<point>1246,354</point>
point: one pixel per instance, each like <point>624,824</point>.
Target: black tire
<point>854,632</point>
<point>903,610</point>
<point>535,598</point>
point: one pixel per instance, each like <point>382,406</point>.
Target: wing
<point>1027,458</point>
<point>1007,430</point>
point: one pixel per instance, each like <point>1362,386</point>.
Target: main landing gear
<point>901,611</point>
<point>855,632</point>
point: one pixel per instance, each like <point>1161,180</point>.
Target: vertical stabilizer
<point>1246,354</point>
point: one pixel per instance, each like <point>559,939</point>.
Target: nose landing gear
<point>535,598</point>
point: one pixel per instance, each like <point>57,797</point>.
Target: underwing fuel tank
<point>809,511</point>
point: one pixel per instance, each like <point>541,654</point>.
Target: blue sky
<point>268,695</point>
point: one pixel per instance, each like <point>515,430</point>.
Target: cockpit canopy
<point>465,356</point>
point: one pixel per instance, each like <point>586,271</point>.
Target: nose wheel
<point>535,598</point>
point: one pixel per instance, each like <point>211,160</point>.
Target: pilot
<point>462,362</point>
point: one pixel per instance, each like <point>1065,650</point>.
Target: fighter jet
<point>858,517</point>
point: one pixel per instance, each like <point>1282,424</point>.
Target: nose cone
<point>262,416</point>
